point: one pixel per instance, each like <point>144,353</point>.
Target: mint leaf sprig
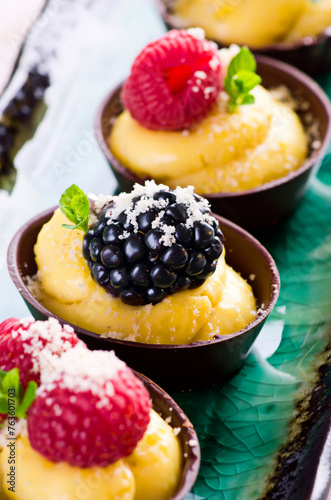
<point>12,394</point>
<point>241,78</point>
<point>75,206</point>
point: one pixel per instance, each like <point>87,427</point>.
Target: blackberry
<point>119,278</point>
<point>152,243</point>
<point>112,256</point>
<point>134,248</point>
<point>153,240</point>
<point>112,233</point>
<point>175,257</point>
<point>21,107</point>
<point>100,274</point>
<point>95,247</point>
<point>162,277</point>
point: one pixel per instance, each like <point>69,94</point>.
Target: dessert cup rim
<point>306,41</point>
<point>283,67</point>
<point>14,271</point>
<point>191,463</point>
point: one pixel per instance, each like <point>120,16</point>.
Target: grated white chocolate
<point>126,202</point>
<point>37,333</point>
<point>81,370</point>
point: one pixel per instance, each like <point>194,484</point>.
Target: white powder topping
<point>82,370</point>
<point>100,201</point>
<point>198,33</point>
<point>168,237</point>
<point>283,94</point>
<point>207,91</point>
<point>44,341</point>
<point>140,200</point>
<point>200,74</point>
<point>192,442</point>
<point>226,55</point>
<point>176,431</point>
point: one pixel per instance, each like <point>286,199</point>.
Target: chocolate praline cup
<point>311,54</point>
<point>172,366</point>
<point>266,205</point>
<point>165,406</point>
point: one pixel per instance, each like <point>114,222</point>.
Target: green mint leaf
<point>4,406</point>
<point>232,106</point>
<point>243,60</point>
<point>246,81</point>
<point>11,393</point>
<point>248,99</point>
<point>75,206</point>
<point>241,79</point>
<point>78,226</point>
<point>28,399</point>
<point>11,381</point>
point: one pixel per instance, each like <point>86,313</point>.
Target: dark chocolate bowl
<point>311,54</point>
<point>265,205</point>
<point>172,366</point>
<point>165,406</point>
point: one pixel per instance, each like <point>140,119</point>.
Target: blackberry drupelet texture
<point>153,242</point>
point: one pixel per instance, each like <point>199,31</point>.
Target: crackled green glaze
<point>243,425</point>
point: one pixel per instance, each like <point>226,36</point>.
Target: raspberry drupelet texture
<point>174,82</point>
<point>90,412</point>
<point>153,242</point>
<point>32,345</point>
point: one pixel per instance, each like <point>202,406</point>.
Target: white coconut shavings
<point>124,236</point>
<point>213,63</point>
<point>200,74</point>
<point>44,341</point>
<point>227,54</point>
<point>100,202</point>
<point>198,33</point>
<point>168,237</point>
<point>132,206</point>
<point>157,222</point>
<point>82,370</point>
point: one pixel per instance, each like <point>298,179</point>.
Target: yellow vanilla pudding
<point>254,22</point>
<point>151,472</point>
<point>70,460</point>
<point>39,478</point>
<point>223,153</point>
<point>209,301</point>
<point>228,150</point>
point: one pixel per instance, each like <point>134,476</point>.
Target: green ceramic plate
<point>264,434</point>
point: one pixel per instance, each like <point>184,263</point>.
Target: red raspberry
<point>29,344</point>
<point>92,410</point>
<point>174,82</point>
